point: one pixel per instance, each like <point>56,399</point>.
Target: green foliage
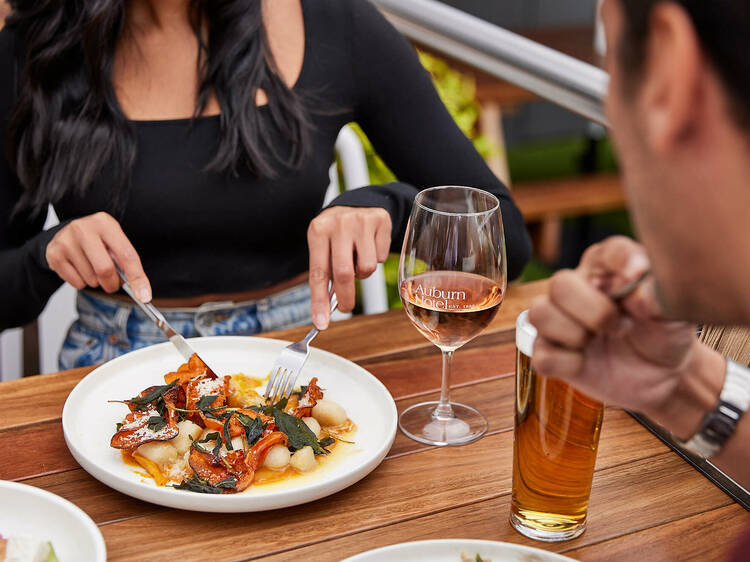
<point>555,158</point>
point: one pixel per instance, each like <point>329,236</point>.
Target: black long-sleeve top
<point>199,232</point>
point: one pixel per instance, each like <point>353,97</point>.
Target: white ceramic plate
<point>31,512</point>
<point>449,550</point>
<point>89,422</point>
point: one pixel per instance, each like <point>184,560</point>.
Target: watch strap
<point>720,424</point>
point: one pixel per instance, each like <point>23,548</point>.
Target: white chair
<point>60,312</point>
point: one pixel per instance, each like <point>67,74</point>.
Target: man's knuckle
<point>574,336</point>
<point>600,317</point>
<point>544,360</point>
<point>591,251</point>
<point>538,315</point>
<point>620,241</point>
<point>560,284</point>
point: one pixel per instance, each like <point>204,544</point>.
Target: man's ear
<point>672,91</point>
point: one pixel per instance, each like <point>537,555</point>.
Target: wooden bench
<point>569,197</point>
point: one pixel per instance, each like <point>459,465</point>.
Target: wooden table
<point>646,504</point>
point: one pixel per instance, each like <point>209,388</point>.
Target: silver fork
<point>289,363</point>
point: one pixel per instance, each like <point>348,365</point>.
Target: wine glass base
<point>421,424</point>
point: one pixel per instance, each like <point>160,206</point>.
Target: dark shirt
<point>198,232</point>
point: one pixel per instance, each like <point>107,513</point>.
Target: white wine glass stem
<point>443,410</point>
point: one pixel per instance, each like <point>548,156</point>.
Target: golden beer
<point>554,450</point>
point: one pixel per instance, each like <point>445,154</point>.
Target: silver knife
<point>158,318</point>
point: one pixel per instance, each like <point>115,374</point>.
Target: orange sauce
<point>129,459</point>
<point>268,475</point>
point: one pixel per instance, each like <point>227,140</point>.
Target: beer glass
<point>555,438</point>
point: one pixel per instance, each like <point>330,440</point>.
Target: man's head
<point>679,106</point>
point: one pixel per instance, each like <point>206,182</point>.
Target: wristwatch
<point>719,425</point>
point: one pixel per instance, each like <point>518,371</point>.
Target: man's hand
<point>623,353</point>
<point>345,243</point>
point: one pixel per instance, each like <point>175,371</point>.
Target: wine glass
<point>452,278</point>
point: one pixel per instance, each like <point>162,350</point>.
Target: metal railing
<point>552,75</point>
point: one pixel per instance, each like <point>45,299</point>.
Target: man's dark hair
<point>723,28</point>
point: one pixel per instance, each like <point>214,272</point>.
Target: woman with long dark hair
<point>189,142</point>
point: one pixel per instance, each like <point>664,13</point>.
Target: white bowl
<point>32,512</point>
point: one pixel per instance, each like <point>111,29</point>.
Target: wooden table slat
<point>710,535</point>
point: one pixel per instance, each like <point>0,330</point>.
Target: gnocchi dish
<point>217,435</point>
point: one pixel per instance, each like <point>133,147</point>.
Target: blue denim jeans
<point>107,328</point>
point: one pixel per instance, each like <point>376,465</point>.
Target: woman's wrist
<point>697,393</point>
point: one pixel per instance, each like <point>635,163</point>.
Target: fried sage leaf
<point>151,396</point>
<point>227,438</point>
<point>269,409</point>
<point>297,431</point>
<point>327,441</point>
<point>230,483</point>
<point>205,401</point>
<point>200,486</point>
<point>254,428</point>
<point>156,423</point>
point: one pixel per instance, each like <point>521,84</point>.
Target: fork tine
<point>271,386</point>
<point>281,383</point>
<point>275,390</point>
<point>290,384</point>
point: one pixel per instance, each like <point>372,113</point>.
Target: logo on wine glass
<point>443,299</point>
